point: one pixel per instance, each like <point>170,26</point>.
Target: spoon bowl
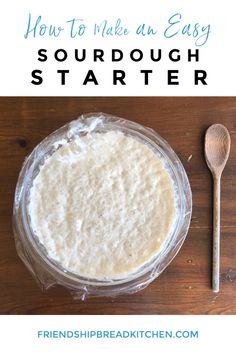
<point>217,147</point>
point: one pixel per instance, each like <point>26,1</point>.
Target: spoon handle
<point>216,236</point>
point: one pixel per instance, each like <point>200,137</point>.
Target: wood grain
<point>185,286</point>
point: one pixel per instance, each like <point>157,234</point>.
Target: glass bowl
<point>48,272</point>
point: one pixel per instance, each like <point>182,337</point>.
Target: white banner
<point>117,334</point>
<point>126,48</point>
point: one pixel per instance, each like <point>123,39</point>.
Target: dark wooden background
<point>185,286</point>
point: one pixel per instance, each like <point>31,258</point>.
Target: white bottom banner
<point>117,334</point>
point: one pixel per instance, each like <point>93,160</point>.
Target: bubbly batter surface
<point>102,205</point>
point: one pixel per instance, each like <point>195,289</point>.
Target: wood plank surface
<point>185,286</point>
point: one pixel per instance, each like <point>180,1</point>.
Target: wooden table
<point>185,286</point>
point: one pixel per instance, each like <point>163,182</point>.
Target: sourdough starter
<point>102,205</point>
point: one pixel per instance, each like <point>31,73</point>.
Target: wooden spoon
<point>217,148</point>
